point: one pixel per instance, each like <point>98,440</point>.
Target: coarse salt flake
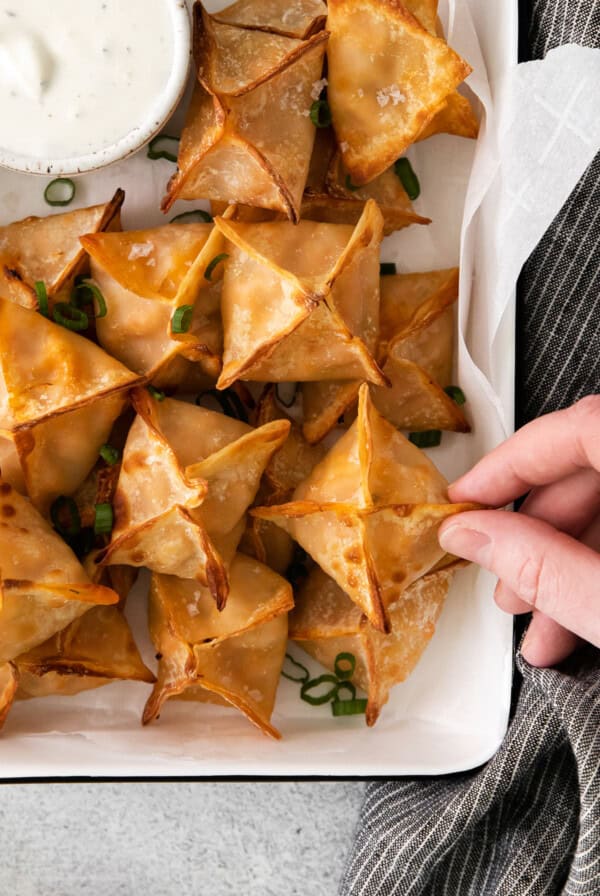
<point>392,93</point>
<point>140,250</point>
<point>318,86</point>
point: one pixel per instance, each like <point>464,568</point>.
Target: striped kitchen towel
<point>529,821</point>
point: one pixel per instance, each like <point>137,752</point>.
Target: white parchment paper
<point>490,203</point>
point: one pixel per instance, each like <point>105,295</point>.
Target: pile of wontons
<point>105,469</point>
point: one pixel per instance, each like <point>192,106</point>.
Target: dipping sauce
<point>76,76</point>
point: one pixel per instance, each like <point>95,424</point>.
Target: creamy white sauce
<point>76,76</point>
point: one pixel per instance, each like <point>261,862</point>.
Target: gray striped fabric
<point>529,821</point>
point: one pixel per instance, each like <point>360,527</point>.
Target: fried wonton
<point>289,465</point>
<point>415,353</point>
<point>388,77</point>
<point>369,513</point>
<point>232,657</point>
<point>301,302</point>
<point>43,585</point>
<point>59,397</point>
<point>187,477</point>
<point>248,136</point>
<point>331,197</point>
<point>48,250</point>
<point>325,622</point>
<point>298,19</point>
<point>145,276</point>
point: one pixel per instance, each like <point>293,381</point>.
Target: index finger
<point>545,450</point>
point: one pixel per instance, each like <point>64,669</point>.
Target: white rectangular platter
<point>452,713</point>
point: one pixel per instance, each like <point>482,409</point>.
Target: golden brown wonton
<point>187,477</point>
<point>301,302</point>
<point>388,77</point>
<point>325,622</point>
<point>59,397</point>
<point>48,250</point>
<point>299,18</point>
<point>369,513</point>
<point>248,135</point>
<point>415,353</point>
<point>232,657</point>
<point>145,276</point>
<point>43,586</point>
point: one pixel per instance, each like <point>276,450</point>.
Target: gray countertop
<point>186,839</point>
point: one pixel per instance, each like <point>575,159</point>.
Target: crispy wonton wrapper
<point>300,19</point>
<point>369,513</point>
<point>415,352</point>
<point>388,77</point>
<point>301,302</point>
<point>325,622</point>
<point>289,465</point>
<point>145,276</point>
<point>43,586</point>
<point>232,657</point>
<point>48,250</point>
<point>187,478</point>
<point>59,397</point>
<point>248,136</point>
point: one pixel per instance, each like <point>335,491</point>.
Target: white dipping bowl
<point>141,131</point>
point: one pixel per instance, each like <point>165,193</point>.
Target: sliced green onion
<point>198,215</point>
<point>42,297</point>
<point>349,185</point>
<point>404,171</point>
<point>305,673</point>
<point>355,707</point>
<point>182,319</point>
<point>320,114</point>
<point>456,394</point>
<point>60,191</point>
<point>89,291</point>
<point>386,268</point>
<point>212,265</point>
<point>103,520</point>
<point>229,403</point>
<point>313,683</point>
<point>286,393</point>
<point>110,455</point>
<point>70,316</point>
<point>347,671</point>
<point>155,151</point>
<point>429,438</point>
<point>82,543</point>
<point>156,393</point>
<point>345,686</point>
<point>65,507</point>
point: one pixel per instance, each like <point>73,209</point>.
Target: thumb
<point>547,569</point>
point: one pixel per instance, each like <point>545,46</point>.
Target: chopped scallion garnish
<point>404,171</point>
<point>349,185</point>
<point>429,438</point>
<point>228,401</point>
<point>355,707</point>
<point>313,684</point>
<point>103,520</point>
<point>157,148</point>
<point>70,316</point>
<point>345,686</point>
<point>387,268</point>
<point>110,455</point>
<point>456,394</point>
<point>65,516</point>
<point>42,298</point>
<point>60,191</point>
<point>212,265</point>
<point>182,319</point>
<point>320,114</point>
<point>305,673</point>
<point>198,215</point>
<point>156,393</point>
<point>344,665</point>
<point>85,292</point>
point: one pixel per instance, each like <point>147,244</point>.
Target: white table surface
<point>188,839</point>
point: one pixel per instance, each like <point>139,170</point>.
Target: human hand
<point>545,556</point>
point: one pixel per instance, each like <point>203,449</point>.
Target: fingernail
<point>467,543</point>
